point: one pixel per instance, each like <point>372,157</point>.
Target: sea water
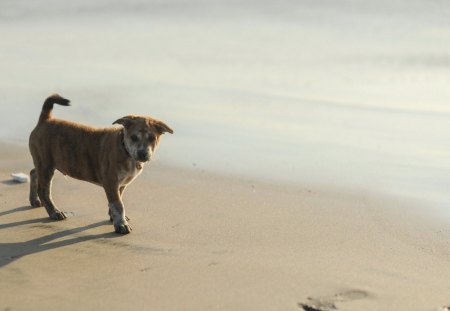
<point>351,94</point>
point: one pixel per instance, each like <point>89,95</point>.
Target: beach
<point>308,169</point>
<point>206,242</point>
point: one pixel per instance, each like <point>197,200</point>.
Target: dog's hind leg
<point>34,199</point>
<point>44,177</point>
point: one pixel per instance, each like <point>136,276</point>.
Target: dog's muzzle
<point>143,156</point>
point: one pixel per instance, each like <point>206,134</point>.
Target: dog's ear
<point>125,121</point>
<point>162,127</point>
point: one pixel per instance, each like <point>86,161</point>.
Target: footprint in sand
<point>328,303</point>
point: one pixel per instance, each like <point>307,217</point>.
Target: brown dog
<point>111,158</point>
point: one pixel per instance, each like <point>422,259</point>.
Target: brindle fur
<point>110,157</point>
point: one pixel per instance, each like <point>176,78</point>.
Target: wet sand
<point>207,242</point>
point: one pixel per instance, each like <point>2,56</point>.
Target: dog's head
<point>141,135</point>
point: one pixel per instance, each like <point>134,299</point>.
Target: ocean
<point>348,94</point>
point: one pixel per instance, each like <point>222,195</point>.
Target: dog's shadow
<point>10,182</point>
<point>9,252</point>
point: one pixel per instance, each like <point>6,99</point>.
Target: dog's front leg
<point>121,189</point>
<point>117,210</point>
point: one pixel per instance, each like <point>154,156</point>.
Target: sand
<point>202,241</point>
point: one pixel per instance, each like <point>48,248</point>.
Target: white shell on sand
<point>20,177</point>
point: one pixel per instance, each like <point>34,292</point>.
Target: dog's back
<point>62,144</point>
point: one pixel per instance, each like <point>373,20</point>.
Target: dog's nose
<point>143,155</point>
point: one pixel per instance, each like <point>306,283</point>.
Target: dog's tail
<point>47,108</point>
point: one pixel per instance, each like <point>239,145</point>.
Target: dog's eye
<point>151,138</point>
<point>134,138</point>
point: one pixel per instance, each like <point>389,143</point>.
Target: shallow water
<point>353,95</point>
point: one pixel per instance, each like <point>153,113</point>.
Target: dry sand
<point>206,242</point>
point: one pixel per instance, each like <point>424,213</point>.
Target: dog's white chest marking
<point>126,176</point>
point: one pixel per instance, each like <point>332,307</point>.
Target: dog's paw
<point>122,228</point>
<point>58,215</point>
<point>35,203</point>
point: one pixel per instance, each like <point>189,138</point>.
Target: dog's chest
<point>129,173</point>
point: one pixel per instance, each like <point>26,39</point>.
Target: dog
<point>111,157</point>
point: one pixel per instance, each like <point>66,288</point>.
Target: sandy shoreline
<point>335,111</point>
<point>205,242</point>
